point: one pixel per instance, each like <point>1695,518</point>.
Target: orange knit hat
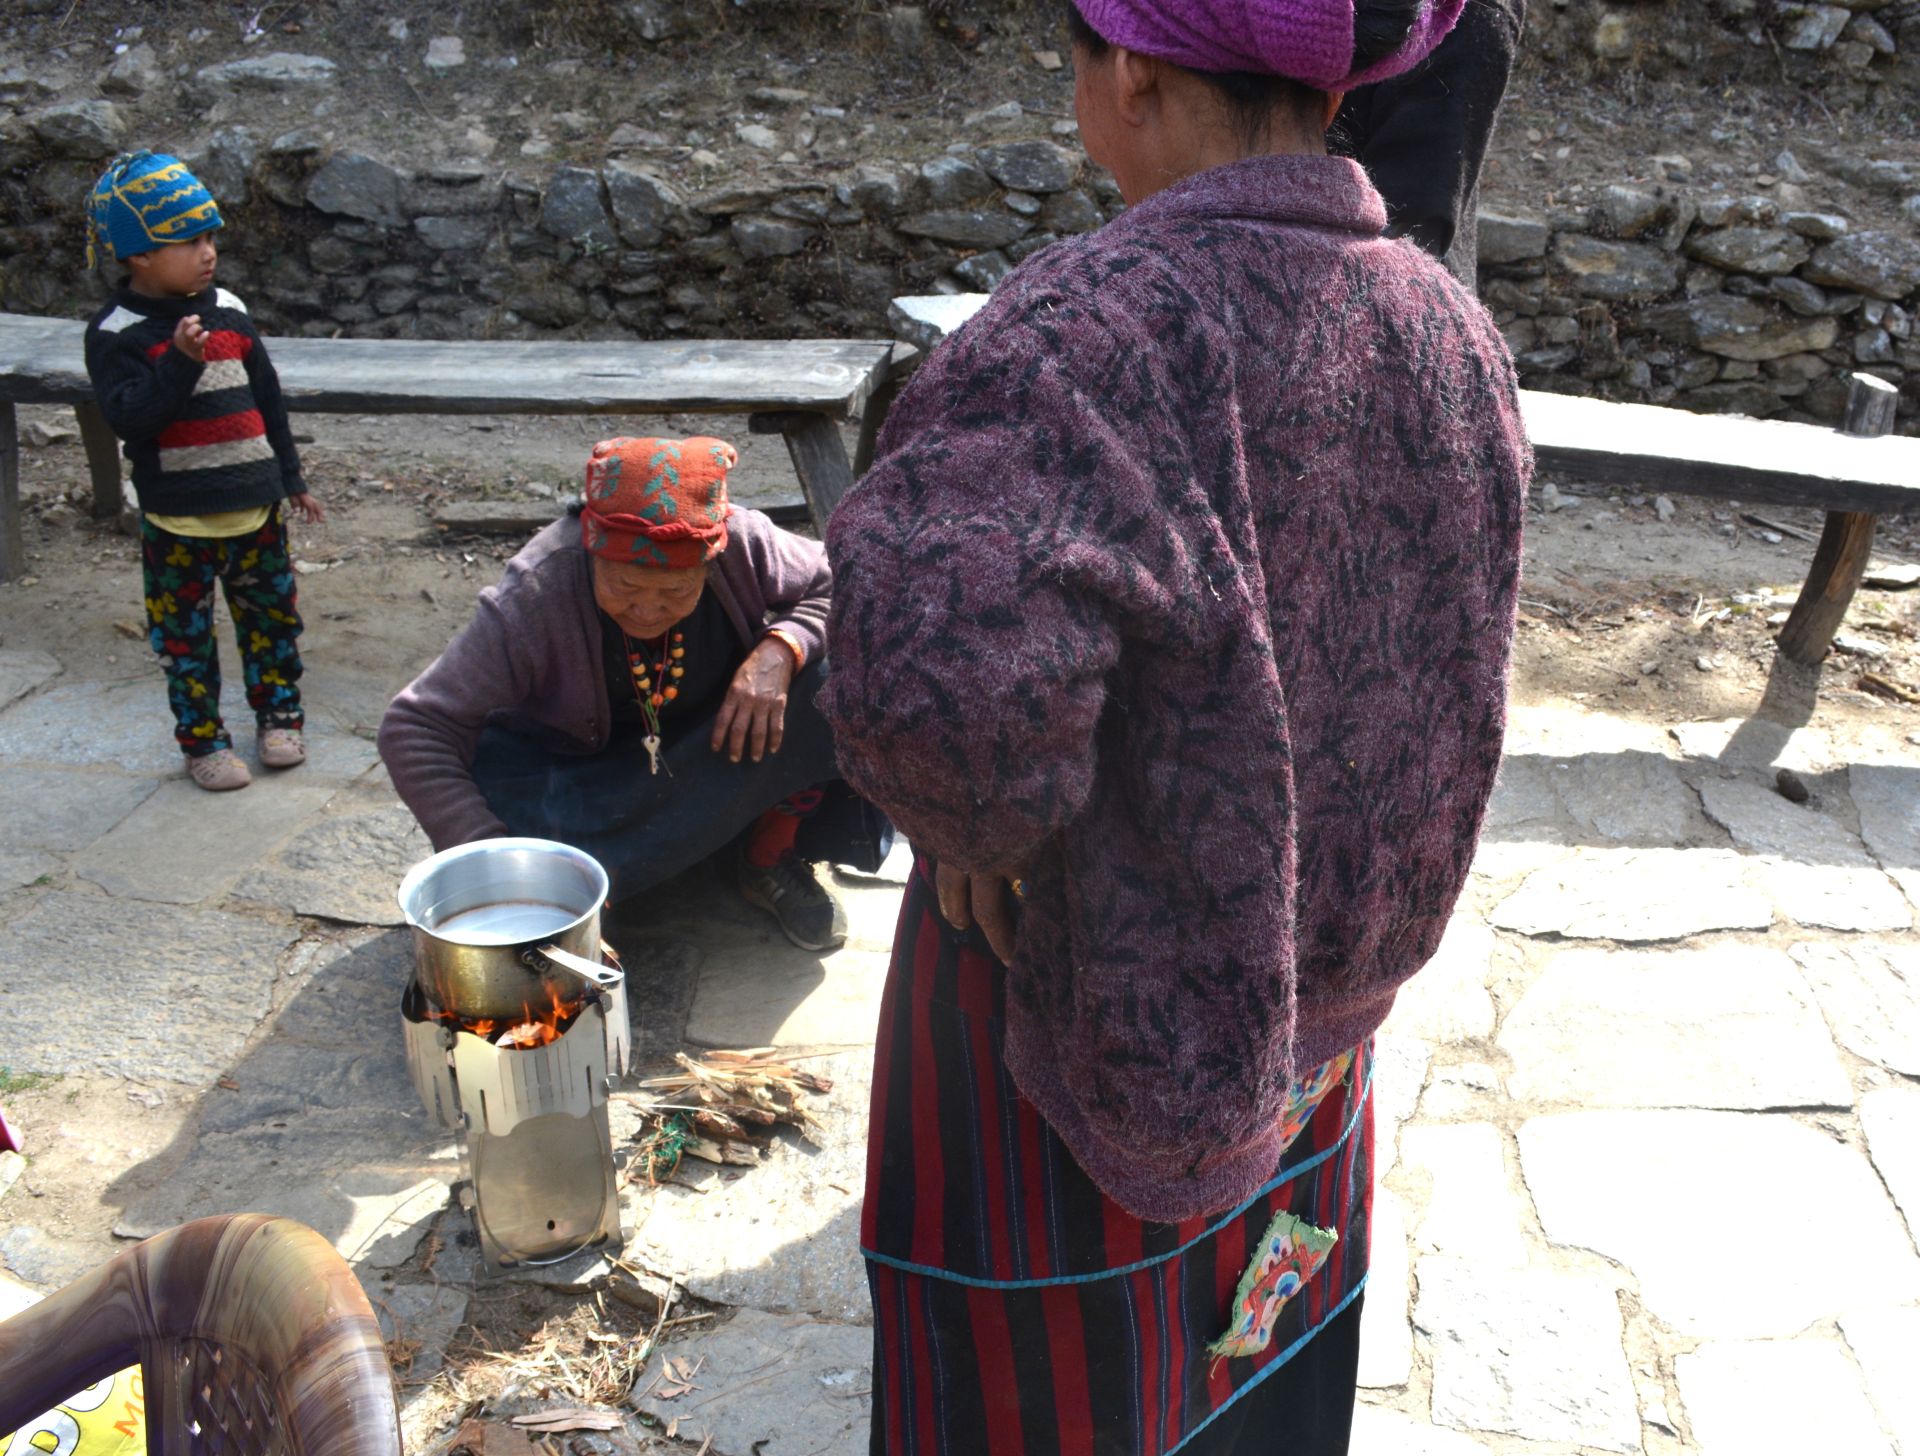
<point>657,502</point>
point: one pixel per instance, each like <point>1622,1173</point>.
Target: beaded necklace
<point>654,686</point>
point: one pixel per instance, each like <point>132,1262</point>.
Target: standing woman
<point>1172,626</point>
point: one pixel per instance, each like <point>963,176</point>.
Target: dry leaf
<point>571,1418</point>
<point>672,1392</point>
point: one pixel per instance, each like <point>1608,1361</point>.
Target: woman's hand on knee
<point>753,719</point>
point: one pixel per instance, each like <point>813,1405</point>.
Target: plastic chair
<point>253,1336</point>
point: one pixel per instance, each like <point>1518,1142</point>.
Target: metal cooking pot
<point>503,924</point>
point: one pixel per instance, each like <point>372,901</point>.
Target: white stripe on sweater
<point>207,457</point>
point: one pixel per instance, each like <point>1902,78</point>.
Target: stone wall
<point>1710,301</point>
<point>1664,292</point>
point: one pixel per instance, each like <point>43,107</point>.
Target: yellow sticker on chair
<point>108,1418</point>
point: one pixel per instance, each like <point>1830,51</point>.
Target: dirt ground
<point>1669,619</point>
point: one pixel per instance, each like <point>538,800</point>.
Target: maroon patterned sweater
<point>1186,578</point>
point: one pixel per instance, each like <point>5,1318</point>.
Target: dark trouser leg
<point>261,596</point>
<point>646,828</point>
<point>179,574</point>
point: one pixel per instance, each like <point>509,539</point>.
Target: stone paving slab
<point>176,1012</point>
<point>46,1260</point>
<point>1886,1342</point>
<point>783,1236</point>
<point>184,846</point>
<point>1891,1120</point>
<point>21,672</point>
<point>1531,1353</point>
<point>64,809</point>
<point>322,1123</point>
<point>1714,1026</point>
<point>1777,1398</point>
<point>1448,1000</point>
<point>1811,866</point>
<point>1471,1211</point>
<point>1636,895</point>
<point>1870,993</point>
<point>1382,1431</point>
<point>1386,1336</point>
<point>20,868</point>
<point>1589,778</point>
<point>126,725</point>
<point>425,1316</point>
<point>771,1385</point>
<point>1399,1072</point>
<point>345,868</point>
<point>1887,798</point>
<point>1735,1225</point>
<point>1756,743</point>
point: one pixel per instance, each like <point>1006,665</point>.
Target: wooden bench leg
<point>13,547</point>
<point>1838,564</point>
<point>819,459</point>
<point>1841,558</point>
<point>103,459</point>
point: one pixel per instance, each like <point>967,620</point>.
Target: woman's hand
<point>753,718</point>
<point>984,899</point>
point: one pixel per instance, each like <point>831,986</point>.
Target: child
<point>183,378</point>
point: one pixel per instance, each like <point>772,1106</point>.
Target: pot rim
<point>480,848</point>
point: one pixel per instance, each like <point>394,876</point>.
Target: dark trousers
<point>646,828</point>
<point>183,576</point>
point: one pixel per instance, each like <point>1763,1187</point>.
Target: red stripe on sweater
<point>1067,1356</point>
<point>227,344</point>
<point>929,1171</point>
<point>221,430</point>
<point>999,1384</point>
<point>221,344</point>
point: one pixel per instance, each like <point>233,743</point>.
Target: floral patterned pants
<point>257,572</point>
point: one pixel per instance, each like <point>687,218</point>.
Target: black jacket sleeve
<point>139,396</point>
<point>1422,136</point>
<point>265,381</point>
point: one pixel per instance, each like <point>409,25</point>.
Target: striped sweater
<point>202,437</point>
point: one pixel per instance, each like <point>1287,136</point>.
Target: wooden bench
<point>802,389</point>
<point>1854,474</point>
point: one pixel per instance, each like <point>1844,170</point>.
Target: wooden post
<point>1845,544</point>
<point>13,547</point>
<point>903,361</point>
<point>103,458</point>
<point>819,458</point>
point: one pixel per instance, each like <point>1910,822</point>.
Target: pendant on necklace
<point>652,744</point>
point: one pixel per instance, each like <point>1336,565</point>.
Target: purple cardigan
<point>1186,579</point>
<point>531,657</point>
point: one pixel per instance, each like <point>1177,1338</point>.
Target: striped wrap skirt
<point>1018,1311</point>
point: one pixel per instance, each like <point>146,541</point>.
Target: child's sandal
<point>282,747</point>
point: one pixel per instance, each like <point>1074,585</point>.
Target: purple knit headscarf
<point>1310,41</point>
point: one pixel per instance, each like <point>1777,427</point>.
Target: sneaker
<point>282,747</point>
<point>219,771</point>
<point>810,916</point>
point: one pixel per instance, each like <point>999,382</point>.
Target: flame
<point>535,1026</point>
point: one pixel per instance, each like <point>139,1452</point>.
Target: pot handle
<point>566,960</point>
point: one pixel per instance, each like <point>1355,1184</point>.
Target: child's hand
<point>190,339</point>
<point>307,506</point>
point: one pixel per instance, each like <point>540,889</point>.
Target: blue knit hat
<point>144,201</point>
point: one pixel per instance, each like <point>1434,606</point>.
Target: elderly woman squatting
<point>640,684</point>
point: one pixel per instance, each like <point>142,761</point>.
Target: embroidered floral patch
<point>1309,1091</point>
<point>1291,1252</point>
